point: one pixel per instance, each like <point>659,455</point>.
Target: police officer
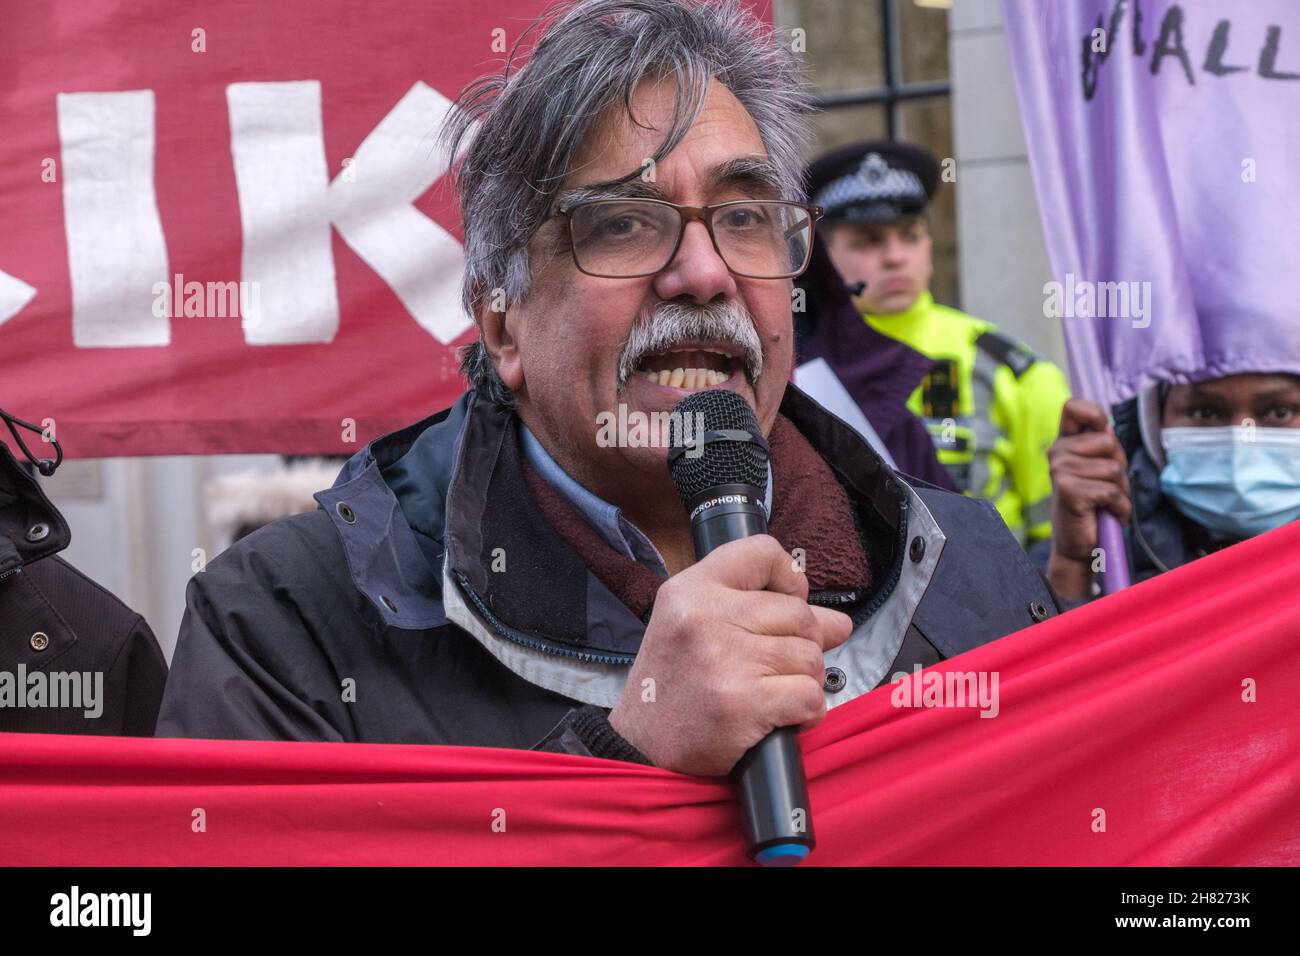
<point>992,407</point>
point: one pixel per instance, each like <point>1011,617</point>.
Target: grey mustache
<point>674,323</point>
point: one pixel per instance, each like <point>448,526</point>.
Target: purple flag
<point>1165,144</point>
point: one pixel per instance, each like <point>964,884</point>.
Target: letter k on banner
<point>227,228</point>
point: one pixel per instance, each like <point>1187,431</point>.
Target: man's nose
<point>696,271</point>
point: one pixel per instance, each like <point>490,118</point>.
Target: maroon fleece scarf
<point>810,510</point>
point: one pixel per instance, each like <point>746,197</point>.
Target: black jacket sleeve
<point>136,678</point>
<point>246,666</point>
<point>586,732</point>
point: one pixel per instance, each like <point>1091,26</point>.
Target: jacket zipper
<point>832,598</point>
<point>897,571</point>
<point>821,598</point>
<point>537,645</point>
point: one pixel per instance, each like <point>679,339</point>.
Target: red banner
<point>1155,727</point>
<point>226,227</point>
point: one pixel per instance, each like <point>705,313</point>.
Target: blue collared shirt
<point>619,533</point>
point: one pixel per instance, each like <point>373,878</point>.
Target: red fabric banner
<point>157,155</point>
<point>1155,727</point>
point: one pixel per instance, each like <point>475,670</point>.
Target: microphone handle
<point>772,787</point>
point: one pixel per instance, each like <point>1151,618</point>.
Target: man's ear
<point>496,328</point>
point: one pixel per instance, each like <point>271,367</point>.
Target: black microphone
<point>855,288</point>
<point>718,461</point>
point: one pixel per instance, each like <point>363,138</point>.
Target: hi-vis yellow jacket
<point>992,407</point>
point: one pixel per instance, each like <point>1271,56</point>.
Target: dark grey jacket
<point>379,617</point>
<point>55,620</point>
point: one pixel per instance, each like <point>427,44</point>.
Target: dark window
<point>880,68</point>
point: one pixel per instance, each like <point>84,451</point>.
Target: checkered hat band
<point>896,185</point>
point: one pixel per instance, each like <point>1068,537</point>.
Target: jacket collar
<point>445,502</point>
<point>920,308</point>
<point>31,528</point>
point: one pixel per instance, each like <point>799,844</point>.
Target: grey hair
<point>590,57</point>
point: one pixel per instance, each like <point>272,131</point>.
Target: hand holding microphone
<point>734,651</point>
<point>733,647</point>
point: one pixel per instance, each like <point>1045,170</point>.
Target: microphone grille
<point>723,461</point>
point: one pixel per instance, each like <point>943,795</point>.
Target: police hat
<point>874,181</point>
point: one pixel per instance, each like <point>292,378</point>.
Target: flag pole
<point>1087,380</point>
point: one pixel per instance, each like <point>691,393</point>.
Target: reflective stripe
<point>986,433</point>
<point>953,437</point>
<point>1039,512</point>
<point>981,383</point>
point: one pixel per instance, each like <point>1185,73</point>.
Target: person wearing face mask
<point>1188,469</point>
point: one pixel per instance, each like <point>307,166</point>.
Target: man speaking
<point>502,574</point>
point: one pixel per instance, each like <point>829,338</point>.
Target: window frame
<point>895,90</point>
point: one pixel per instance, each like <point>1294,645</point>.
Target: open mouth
<point>690,368</point>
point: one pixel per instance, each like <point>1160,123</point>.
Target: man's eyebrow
<point>632,189</point>
<point>753,174</point>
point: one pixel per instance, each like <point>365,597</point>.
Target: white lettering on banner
<point>394,166</point>
<point>278,148</point>
<point>117,253</point>
<point>14,295</point>
<point>116,250</point>
<point>281,176</point>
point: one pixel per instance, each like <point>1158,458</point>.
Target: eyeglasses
<point>627,238</point>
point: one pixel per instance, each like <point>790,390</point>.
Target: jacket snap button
<point>40,640</point>
<point>38,532</point>
<point>835,680</point>
<point>1037,611</point>
<point>345,512</point>
<point>917,551</point>
<point>388,603</point>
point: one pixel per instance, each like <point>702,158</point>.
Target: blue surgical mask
<point>1236,481</point>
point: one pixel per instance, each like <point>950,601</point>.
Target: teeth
<point>687,378</point>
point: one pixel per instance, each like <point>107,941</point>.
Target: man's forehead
<point>722,134</point>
